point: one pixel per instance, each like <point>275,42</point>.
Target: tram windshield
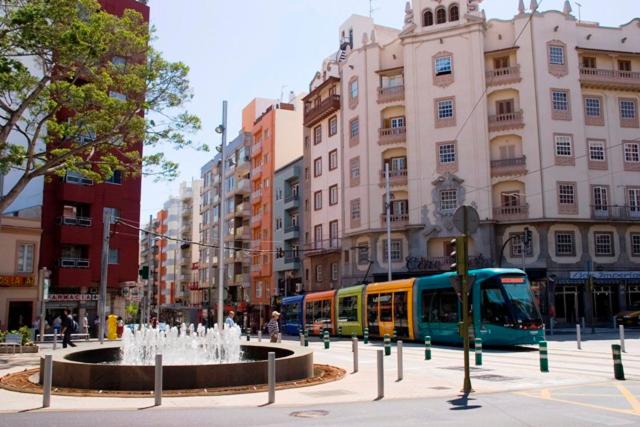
<point>508,301</point>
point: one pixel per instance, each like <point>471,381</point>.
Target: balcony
<point>243,166</point>
<point>321,247</point>
<point>509,167</point>
<point>243,209</point>
<point>392,135</point>
<point>397,220</point>
<point>503,76</point>
<point>292,262</point>
<point>243,187</point>
<point>79,221</point>
<point>396,177</point>
<point>256,220</point>
<point>256,172</point>
<point>74,263</point>
<point>325,108</point>
<point>256,149</point>
<point>291,232</point>
<point>292,201</point>
<point>622,213</point>
<point>610,79</point>
<point>500,122</point>
<point>256,196</point>
<point>242,233</point>
<point>242,280</point>
<point>508,213</point>
<point>390,94</point>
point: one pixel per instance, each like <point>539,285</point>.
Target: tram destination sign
<point>604,275</point>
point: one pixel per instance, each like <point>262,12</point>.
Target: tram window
<point>494,307</point>
<point>291,313</point>
<point>372,308</point>
<point>386,312</point>
<point>348,309</point>
<point>521,300</point>
<point>309,314</point>
<point>400,307</point>
<point>429,311</point>
<point>326,311</point>
<point>447,303</point>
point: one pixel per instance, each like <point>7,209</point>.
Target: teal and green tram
<point>504,311</point>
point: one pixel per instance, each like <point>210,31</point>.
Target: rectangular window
<point>396,250</point>
<point>25,257</point>
<point>564,145</point>
<point>117,95</point>
<point>363,254</point>
<point>355,209</point>
<point>353,89</point>
<point>592,107</point>
<point>113,256</point>
<point>333,234</point>
<point>443,66</point>
<point>115,178</point>
<point>560,101</point>
<point>318,273</point>
<point>510,199</point>
<point>114,213</point>
<point>501,62</point>
<point>448,200</point>
<point>355,128</point>
<point>317,167</point>
<point>317,200</point>
<point>445,109</point>
<point>624,65</point>
<point>633,198</point>
<point>333,126</point>
<point>632,152</point>
<point>635,244</point>
<point>567,194</point>
<point>627,109</point>
<point>600,198</point>
<point>333,195</point>
<point>355,168</point>
<point>447,153</point>
<point>333,160</point>
<point>334,271</point>
<point>588,62</point>
<point>565,243</point>
<point>556,55</point>
<point>317,236</point>
<point>596,151</point>
<point>317,135</point>
<point>397,122</point>
<point>397,163</point>
<point>604,244</point>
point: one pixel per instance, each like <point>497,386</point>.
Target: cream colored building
<point>20,244</point>
<point>533,121</point>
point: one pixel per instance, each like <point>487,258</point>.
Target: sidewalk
<point>514,370</point>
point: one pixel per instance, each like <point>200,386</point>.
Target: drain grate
<point>494,378</point>
<point>310,414</point>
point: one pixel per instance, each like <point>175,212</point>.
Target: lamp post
<point>221,129</point>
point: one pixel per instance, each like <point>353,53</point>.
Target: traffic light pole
<point>466,387</point>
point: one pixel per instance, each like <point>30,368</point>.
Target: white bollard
<point>259,336</point>
<point>354,344</point>
<point>578,337</point>
<point>46,381</point>
<point>621,329</point>
<point>400,368</point>
<point>301,339</point>
<point>55,339</point>
<point>380,358</point>
<point>157,386</point>
<point>279,337</point>
<point>271,376</point>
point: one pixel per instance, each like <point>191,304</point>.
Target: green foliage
<point>24,331</point>
<point>2,335</point>
<point>78,92</point>
<point>131,310</point>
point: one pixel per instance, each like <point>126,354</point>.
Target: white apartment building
<point>533,121</point>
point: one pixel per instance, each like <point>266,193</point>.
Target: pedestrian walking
<point>273,327</point>
<point>229,322</point>
<point>68,326</point>
<point>85,324</point>
<point>57,324</point>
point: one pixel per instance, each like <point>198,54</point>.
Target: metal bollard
<point>578,337</point>
<point>339,330</point>
<point>618,370</point>
<point>544,359</point>
<point>157,392</point>
<point>271,376</point>
<point>544,332</point>
<point>478,351</point>
<point>279,337</point>
<point>614,322</point>
<point>380,359</point>
<point>366,335</point>
<point>306,338</point>
<point>259,336</point>
<point>301,339</point>
<point>387,345</point>
<point>427,348</point>
<point>400,367</point>
<point>621,329</point>
<point>46,381</point>
<point>354,343</point>
<point>353,335</point>
<point>394,337</point>
<point>55,339</point>
<point>326,339</point>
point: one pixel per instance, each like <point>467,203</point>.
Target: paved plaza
<point>579,382</point>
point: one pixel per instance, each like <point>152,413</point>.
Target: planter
<point>30,348</point>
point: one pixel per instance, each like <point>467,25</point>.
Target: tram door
<point>386,314</point>
<point>567,305</point>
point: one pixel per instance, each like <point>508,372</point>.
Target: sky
<point>238,50</point>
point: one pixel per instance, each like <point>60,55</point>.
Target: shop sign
<point>73,297</point>
<point>16,281</point>
<point>620,275</point>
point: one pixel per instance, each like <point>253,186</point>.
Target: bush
<point>2,334</point>
<point>24,331</point>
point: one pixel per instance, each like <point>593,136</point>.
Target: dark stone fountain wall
<point>83,370</point>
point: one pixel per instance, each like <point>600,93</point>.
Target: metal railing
<point>74,262</point>
<point>80,221</point>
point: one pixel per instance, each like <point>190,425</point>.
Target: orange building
<point>163,291</point>
<point>277,140</point>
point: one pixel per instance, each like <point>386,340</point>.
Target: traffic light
<point>526,237</point>
<point>144,272</point>
<point>459,255</point>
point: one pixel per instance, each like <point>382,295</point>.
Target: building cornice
<point>323,85</point>
<point>613,52</point>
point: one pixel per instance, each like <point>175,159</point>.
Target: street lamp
<point>221,130</point>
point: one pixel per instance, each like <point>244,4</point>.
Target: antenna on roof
<point>371,8</point>
<point>579,9</point>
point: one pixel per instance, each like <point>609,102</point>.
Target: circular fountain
<point>192,359</point>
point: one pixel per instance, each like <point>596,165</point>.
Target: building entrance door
<point>567,305</point>
<point>604,304</point>
<point>20,314</point>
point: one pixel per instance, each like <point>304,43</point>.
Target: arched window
<point>441,15</point>
<point>454,15</point>
<point>427,18</point>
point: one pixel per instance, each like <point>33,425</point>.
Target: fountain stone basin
<point>89,369</point>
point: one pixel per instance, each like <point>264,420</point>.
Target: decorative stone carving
<point>447,181</point>
<point>408,14</point>
<point>533,5</point>
<point>474,5</point>
<point>521,7</point>
<point>567,8</point>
